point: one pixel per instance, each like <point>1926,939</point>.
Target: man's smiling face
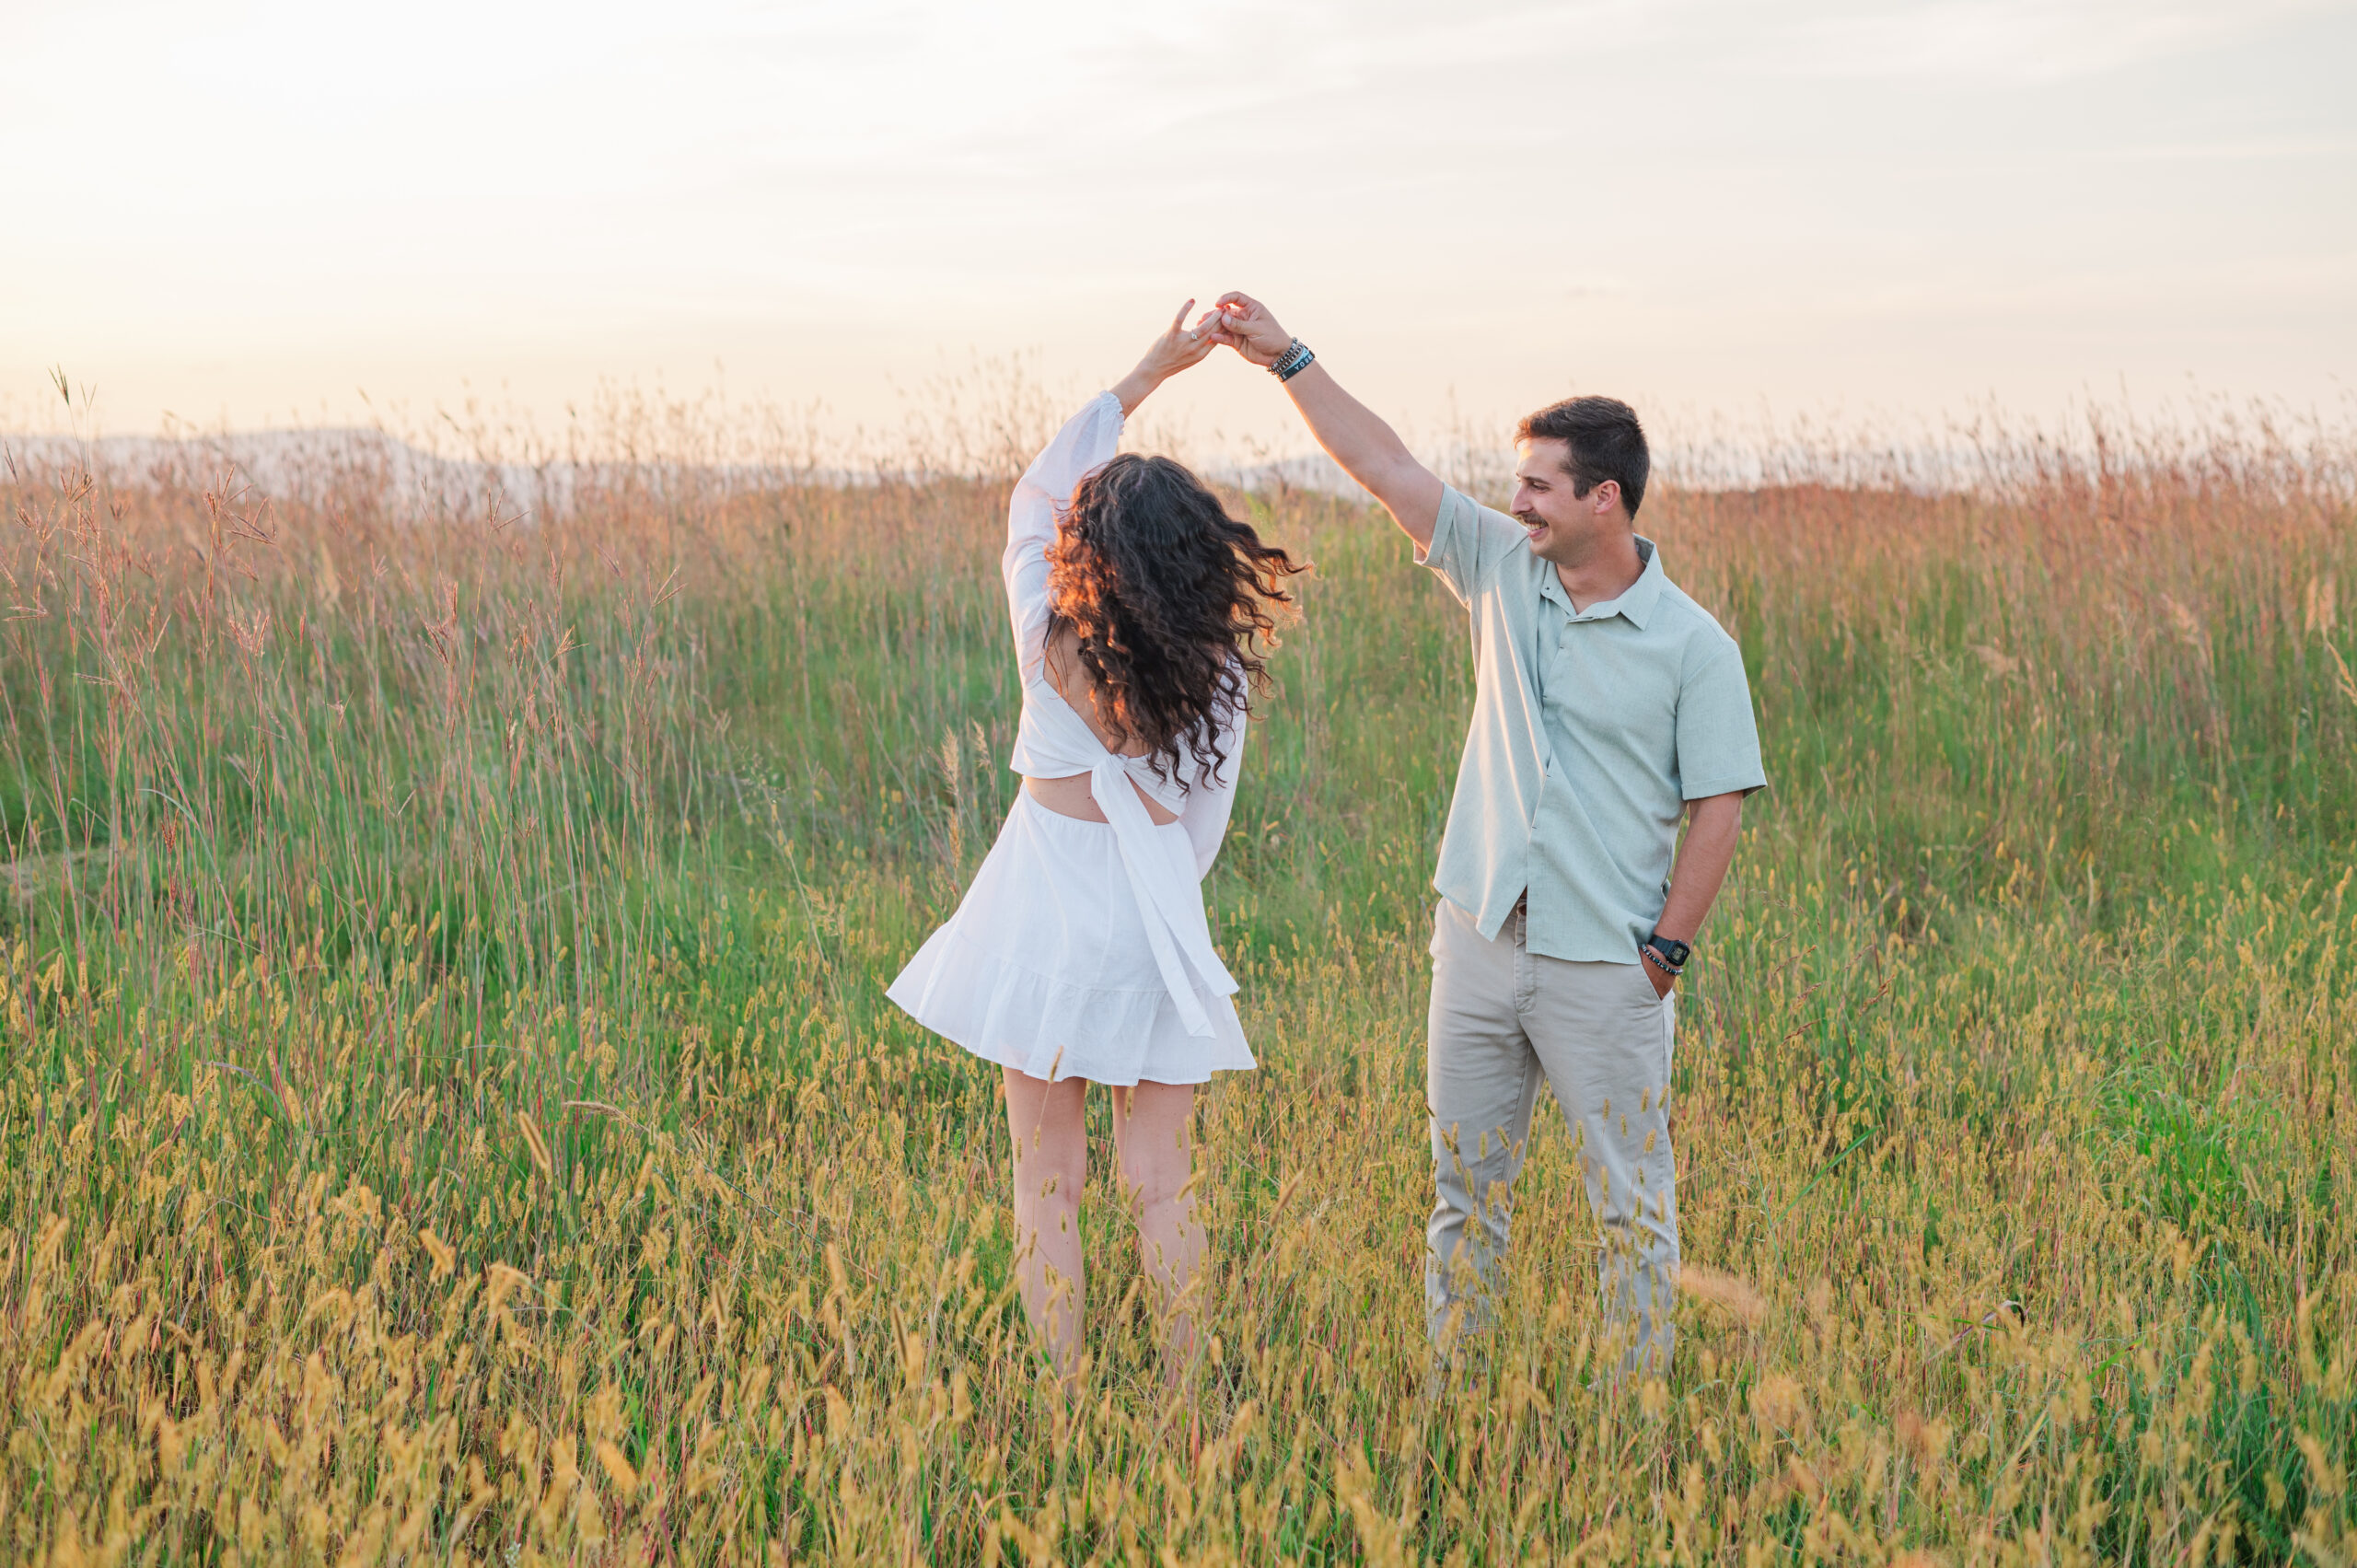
<point>1562,527</point>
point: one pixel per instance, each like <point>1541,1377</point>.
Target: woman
<point>1081,953</point>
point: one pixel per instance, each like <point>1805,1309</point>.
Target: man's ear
<point>1605,496</point>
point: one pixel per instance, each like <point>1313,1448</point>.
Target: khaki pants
<point>1503,1019</point>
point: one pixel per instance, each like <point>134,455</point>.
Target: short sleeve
<point>1469,540</point>
<point>1718,740</point>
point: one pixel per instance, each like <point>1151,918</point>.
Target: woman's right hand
<point>1178,349</point>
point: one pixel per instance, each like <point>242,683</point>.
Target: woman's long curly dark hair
<point>1170,600</point>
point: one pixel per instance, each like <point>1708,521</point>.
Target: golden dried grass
<point>450,1113</point>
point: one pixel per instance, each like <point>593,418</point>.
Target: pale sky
<point>250,212</point>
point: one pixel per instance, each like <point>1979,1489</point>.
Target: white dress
<point>1081,951</point>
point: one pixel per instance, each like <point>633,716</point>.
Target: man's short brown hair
<point>1602,440</point>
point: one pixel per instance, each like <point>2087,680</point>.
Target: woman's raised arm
<point>1179,349</point>
<point>1088,438</point>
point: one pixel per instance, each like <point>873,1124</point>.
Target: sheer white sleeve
<point>1210,801</point>
<point>1088,438</point>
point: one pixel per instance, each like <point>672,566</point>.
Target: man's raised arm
<point>1369,450</point>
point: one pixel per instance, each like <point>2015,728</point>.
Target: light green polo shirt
<point>1591,730</point>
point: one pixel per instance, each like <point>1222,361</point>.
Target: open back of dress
<point>1082,947</point>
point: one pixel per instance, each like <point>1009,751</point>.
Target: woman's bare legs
<point>1048,1121</point>
<point>1154,1140</point>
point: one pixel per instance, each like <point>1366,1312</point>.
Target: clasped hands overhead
<point>1235,320</point>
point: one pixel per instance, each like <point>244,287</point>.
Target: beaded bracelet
<point>1661,963</point>
<point>1296,359</point>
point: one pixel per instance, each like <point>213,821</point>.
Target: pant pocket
<point>1644,973</point>
<point>1452,927</point>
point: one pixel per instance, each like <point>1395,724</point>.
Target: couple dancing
<point>1608,706</point>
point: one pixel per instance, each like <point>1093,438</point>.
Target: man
<point>1609,705</point>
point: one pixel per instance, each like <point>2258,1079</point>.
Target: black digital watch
<point>1673,952</point>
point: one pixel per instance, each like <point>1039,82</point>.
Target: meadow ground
<point>451,1114</point>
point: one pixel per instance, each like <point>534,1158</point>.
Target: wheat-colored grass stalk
<point>450,1113</point>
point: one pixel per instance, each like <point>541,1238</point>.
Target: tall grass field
<point>450,1113</point>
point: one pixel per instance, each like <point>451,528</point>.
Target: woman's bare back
<point>1071,797</point>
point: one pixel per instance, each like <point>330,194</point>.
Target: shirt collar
<point>1636,602</point>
